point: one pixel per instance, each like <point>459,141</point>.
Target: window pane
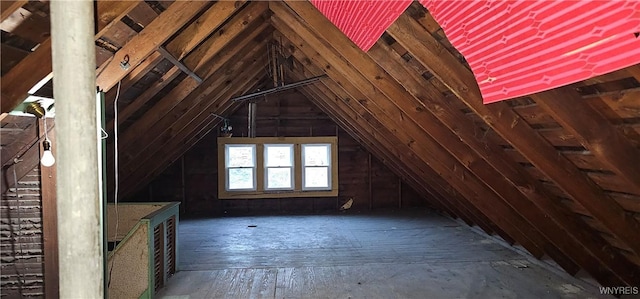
<point>316,177</point>
<point>316,155</point>
<point>241,178</point>
<point>279,178</point>
<point>279,155</point>
<point>240,156</point>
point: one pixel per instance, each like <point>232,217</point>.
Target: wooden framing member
<point>201,28</point>
<point>147,41</point>
<point>182,98</point>
<point>198,58</point>
<point>142,99</point>
<point>512,128</point>
<point>9,7</point>
<point>444,195</point>
<point>189,121</point>
<point>516,176</point>
<point>594,131</point>
<point>470,187</point>
<point>174,99</point>
<point>49,220</point>
<point>22,77</point>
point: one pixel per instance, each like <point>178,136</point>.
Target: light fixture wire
<point>115,167</point>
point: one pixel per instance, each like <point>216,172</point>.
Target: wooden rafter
<point>461,179</point>
<point>356,126</point>
<point>594,131</point>
<point>147,41</point>
<point>173,101</point>
<point>396,148</point>
<point>24,76</point>
<point>537,199</point>
<point>9,7</point>
<point>510,126</point>
<point>180,133</point>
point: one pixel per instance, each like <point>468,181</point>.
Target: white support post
<point>79,199</point>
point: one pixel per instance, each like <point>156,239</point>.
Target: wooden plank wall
<point>192,179</point>
<point>21,243</point>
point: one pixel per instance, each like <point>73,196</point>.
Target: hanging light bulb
<point>47,157</point>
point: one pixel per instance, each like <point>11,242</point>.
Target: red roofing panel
<point>522,47</point>
<point>362,21</point>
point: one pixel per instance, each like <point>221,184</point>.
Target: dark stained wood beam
<point>22,77</point>
<point>147,41</point>
<point>594,131</point>
<point>49,220</point>
<point>176,119</point>
<point>397,150</point>
<point>133,144</point>
<point>28,157</point>
<point>510,126</point>
<point>26,139</point>
<point>132,78</point>
<point>364,133</point>
<point>442,162</point>
<point>142,99</point>
<point>564,223</point>
<point>179,136</point>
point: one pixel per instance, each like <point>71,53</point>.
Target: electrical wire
<point>115,168</point>
<point>21,274</point>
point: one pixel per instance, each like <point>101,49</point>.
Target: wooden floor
<point>379,255</point>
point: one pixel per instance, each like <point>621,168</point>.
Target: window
<point>271,167</point>
<point>278,167</point>
<point>316,174</point>
<point>240,164</point>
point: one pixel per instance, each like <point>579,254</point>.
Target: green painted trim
<point>146,294</point>
<point>161,215</point>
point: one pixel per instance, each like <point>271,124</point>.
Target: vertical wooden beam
<point>49,221</point>
<point>370,183</point>
<point>79,204</point>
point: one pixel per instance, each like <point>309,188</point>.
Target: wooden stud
<point>142,99</point>
<point>49,220</point>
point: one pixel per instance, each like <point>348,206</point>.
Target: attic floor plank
<point>406,254</point>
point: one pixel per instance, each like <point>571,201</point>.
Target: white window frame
<point>327,167</point>
<point>259,179</point>
<point>291,167</point>
<point>228,168</point>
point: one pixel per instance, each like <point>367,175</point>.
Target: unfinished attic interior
<point>239,149</point>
